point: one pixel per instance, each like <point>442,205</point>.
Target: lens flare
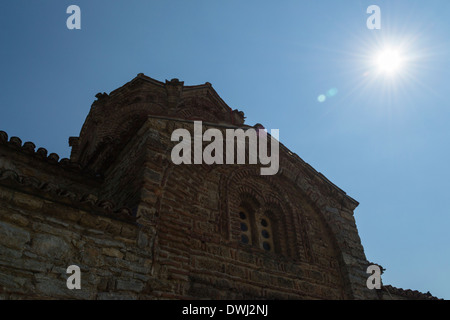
<point>332,92</point>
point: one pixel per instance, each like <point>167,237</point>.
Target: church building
<point>139,226</point>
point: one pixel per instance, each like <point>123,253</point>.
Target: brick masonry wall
<point>179,235</point>
<point>186,241</point>
<point>193,209</point>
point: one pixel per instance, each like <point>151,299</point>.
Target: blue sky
<point>382,139</point>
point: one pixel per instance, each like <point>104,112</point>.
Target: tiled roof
<point>409,294</point>
<point>105,206</point>
<point>41,153</point>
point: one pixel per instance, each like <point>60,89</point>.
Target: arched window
<point>245,225</point>
<point>265,234</point>
<point>255,229</point>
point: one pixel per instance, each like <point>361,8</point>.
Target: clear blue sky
<point>384,140</point>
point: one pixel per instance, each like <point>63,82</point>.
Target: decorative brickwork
<point>141,227</point>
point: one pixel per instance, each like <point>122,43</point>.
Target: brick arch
<point>308,198</point>
<point>291,221</point>
<point>236,181</point>
<point>247,181</point>
<point>294,216</point>
<point>226,179</point>
<point>293,209</point>
<point>314,200</point>
<point>246,193</point>
<point>278,218</point>
<point>337,245</point>
<point>249,203</point>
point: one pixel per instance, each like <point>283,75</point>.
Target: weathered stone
<point>57,288</point>
<point>104,242</point>
<point>129,285</point>
<point>140,227</point>
<point>60,231</point>
<point>10,253</point>
<point>236,271</point>
<point>116,296</point>
<point>27,201</point>
<point>142,240</point>
<point>332,210</point>
<point>6,194</point>
<point>11,281</point>
<point>111,252</point>
<point>12,236</point>
<point>58,221</point>
<point>19,220</point>
<point>50,246</point>
<point>34,265</point>
<point>92,256</point>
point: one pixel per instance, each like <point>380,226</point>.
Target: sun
<point>389,61</point>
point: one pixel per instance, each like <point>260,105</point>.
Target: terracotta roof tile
<point>409,294</point>
<point>41,153</point>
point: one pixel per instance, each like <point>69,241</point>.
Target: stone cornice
<point>50,191</point>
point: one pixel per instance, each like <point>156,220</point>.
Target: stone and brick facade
<point>141,227</point>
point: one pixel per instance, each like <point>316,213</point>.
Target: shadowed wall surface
<point>141,227</point>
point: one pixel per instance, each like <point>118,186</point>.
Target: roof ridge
<point>29,147</point>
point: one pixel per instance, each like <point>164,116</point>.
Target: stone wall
<point>140,227</point>
<point>39,239</point>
